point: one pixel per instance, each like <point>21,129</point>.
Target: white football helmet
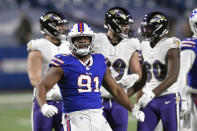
<point>193,22</point>
<point>80,30</point>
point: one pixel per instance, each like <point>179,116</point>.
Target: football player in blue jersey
<point>80,76</point>
<point>160,100</point>
<point>188,75</point>
<point>40,52</point>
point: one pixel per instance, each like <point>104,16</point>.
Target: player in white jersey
<point>187,77</point>
<point>161,58</point>
<point>40,53</point>
<point>122,55</point>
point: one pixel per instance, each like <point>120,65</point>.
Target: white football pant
<point>85,120</point>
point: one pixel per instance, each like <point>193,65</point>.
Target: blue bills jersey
<point>190,44</point>
<point>81,82</point>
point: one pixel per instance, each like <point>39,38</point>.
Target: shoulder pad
<point>176,42</point>
<point>187,39</point>
<point>57,60</point>
<point>36,44</point>
<point>172,42</point>
<point>31,45</point>
<point>188,43</point>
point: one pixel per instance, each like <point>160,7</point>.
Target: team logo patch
<point>51,16</point>
<point>177,43</point>
<point>118,13</point>
<point>158,18</point>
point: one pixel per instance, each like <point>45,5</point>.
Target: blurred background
<point>19,23</point>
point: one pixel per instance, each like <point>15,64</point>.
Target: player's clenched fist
<point>146,98</point>
<point>49,110</point>
<point>139,115</point>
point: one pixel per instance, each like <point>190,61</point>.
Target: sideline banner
<point>13,68</point>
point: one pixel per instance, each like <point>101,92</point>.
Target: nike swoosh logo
<point>167,102</point>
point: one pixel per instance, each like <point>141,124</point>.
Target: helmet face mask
<point>81,45</point>
<point>193,22</point>
<point>147,32</point>
<point>119,21</point>
<point>126,30</point>
<point>81,38</point>
<point>154,25</point>
<point>53,24</point>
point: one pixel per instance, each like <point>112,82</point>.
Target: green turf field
<point>15,112</point>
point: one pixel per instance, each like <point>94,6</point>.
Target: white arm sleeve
<point>186,62</point>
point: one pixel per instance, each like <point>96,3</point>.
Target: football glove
<point>128,81</point>
<point>139,115</point>
<point>146,98</point>
<point>49,110</point>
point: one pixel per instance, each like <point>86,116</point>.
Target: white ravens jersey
<point>48,51</point>
<point>154,61</point>
<point>119,56</point>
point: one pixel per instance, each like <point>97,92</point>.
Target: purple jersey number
<point>119,66</point>
<point>159,70</point>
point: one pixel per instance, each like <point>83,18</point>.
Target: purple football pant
<point>42,123</point>
<point>115,114</point>
<point>164,108</point>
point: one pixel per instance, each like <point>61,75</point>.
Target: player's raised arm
<point>49,80</point>
<point>120,96</point>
